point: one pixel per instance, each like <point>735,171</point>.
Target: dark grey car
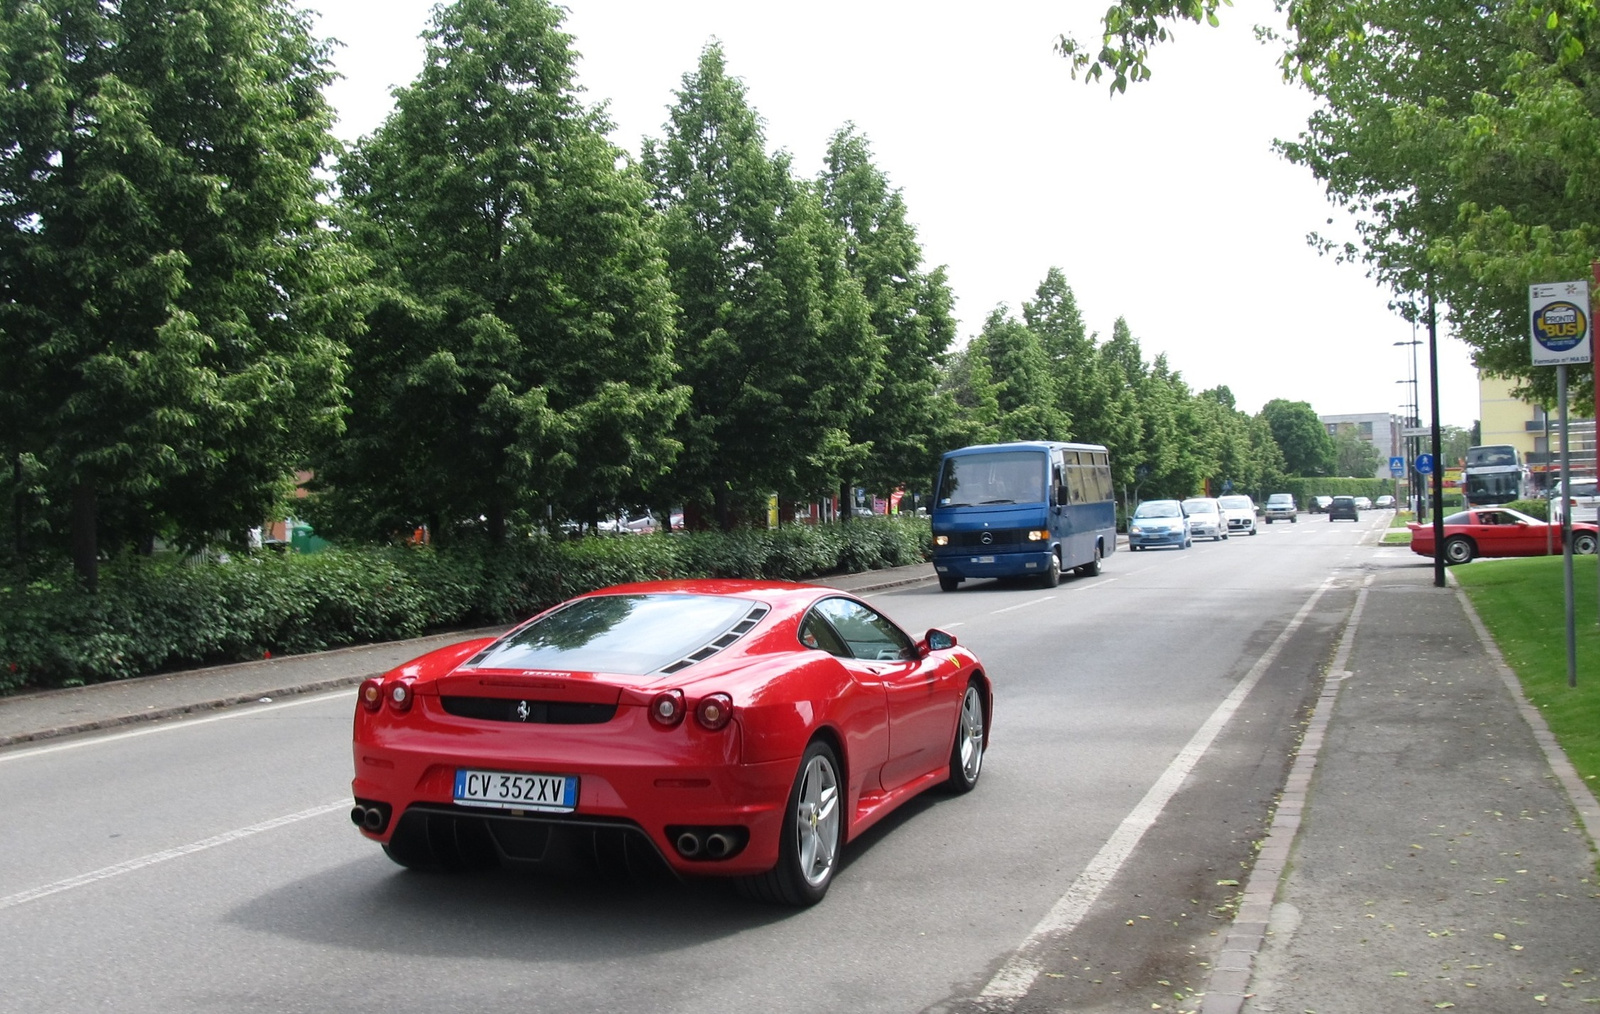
<point>1343,507</point>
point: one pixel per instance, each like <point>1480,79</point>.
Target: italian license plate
<point>983,559</point>
<point>511,791</point>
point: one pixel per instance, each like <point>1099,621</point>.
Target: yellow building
<point>1505,419</point>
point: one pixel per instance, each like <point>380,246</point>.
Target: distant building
<point>1380,429</point>
<point>1506,419</point>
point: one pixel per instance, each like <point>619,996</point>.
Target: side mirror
<point>939,640</point>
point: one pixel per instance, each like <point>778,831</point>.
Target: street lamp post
<point>1418,507</point>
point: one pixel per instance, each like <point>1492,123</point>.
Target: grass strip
<point>1522,603</point>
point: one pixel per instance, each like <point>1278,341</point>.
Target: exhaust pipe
<point>358,816</point>
<point>688,844</point>
<point>374,820</point>
<point>718,845</point>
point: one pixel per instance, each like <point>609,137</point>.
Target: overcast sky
<point>1165,206</point>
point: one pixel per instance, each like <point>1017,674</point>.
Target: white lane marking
<point>117,870</point>
<point>1021,605</point>
<point>1017,976</point>
<point>240,711</point>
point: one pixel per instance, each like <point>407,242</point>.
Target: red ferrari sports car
<point>729,728</point>
<point>1498,531</point>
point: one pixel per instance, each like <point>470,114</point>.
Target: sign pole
<point>1438,473</point>
<point>1566,528</point>
<point>1559,322</point>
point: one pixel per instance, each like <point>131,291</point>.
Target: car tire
<point>1253,529</point>
<point>966,754</point>
<point>1583,543</point>
<point>1052,575</point>
<point>1293,520</point>
<point>947,583</point>
<point>1458,549</point>
<point>812,835</point>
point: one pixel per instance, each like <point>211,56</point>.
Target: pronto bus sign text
<point>1559,315</point>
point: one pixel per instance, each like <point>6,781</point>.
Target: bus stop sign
<point>1425,464</point>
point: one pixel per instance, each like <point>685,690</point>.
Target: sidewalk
<point>54,713</point>
<point>1433,849</point>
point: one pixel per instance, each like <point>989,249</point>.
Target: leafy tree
<point>1131,28</point>
<point>1307,448</point>
<point>1181,452</point>
<point>1453,443</point>
<point>519,349</point>
<point>1268,456</point>
<point>1081,390</point>
<point>910,310</point>
<point>1235,463</point>
<point>1023,388</point>
<point>967,384</point>
<point>1461,135</point>
<point>169,303</point>
<point>1135,453</point>
<point>1354,454</point>
<point>777,339</point>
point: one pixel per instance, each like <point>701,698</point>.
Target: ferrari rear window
<point>625,634</point>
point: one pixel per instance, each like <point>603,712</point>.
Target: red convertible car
<point>729,728</point>
<point>1498,531</point>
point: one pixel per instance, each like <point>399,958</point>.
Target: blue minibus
<point>1025,509</point>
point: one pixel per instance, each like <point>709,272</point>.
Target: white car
<point>1239,512</point>
<point>1205,518</point>
<point>1583,497</point>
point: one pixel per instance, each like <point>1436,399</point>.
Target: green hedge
<point>1533,508</point>
<point>158,615</point>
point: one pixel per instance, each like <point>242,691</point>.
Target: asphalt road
<point>210,865</point>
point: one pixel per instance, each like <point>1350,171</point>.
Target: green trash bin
<point>303,540</point>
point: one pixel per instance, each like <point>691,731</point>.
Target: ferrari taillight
<point>714,711</point>
<point>666,708</point>
<point>399,694</point>
<point>371,694</point>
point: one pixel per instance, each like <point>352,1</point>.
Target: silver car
<point>1158,523</point>
<point>1205,518</point>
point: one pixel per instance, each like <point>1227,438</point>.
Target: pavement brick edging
<point>1227,988</point>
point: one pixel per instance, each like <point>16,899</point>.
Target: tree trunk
<point>85,546</point>
<point>847,502</point>
<point>724,513</point>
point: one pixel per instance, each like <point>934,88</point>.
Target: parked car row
<point>1321,504</point>
<point>1178,523</point>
